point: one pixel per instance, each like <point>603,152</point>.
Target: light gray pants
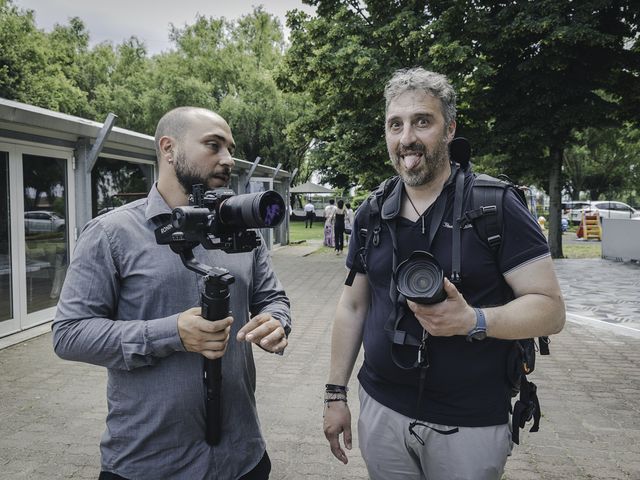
<point>391,452</point>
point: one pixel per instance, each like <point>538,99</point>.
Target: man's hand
<point>337,420</point>
<point>210,338</point>
<point>265,331</point>
<point>453,316</point>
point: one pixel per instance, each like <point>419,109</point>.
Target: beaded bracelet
<point>335,393</point>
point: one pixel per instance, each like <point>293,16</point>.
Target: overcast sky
<point>117,20</point>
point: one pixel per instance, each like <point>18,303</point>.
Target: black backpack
<point>486,217</point>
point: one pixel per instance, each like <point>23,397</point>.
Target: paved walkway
<point>52,411</point>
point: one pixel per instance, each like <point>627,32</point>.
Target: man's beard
<point>430,166</point>
<point>187,177</point>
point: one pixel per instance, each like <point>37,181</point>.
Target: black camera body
<point>220,219</point>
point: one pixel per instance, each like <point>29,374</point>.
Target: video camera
<point>220,219</point>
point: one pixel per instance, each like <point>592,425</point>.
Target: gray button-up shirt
<point>119,308</point>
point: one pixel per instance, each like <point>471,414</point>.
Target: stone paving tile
<point>52,411</point>
<point>606,290</point>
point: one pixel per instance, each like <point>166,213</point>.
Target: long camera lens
<point>253,210</point>
<point>420,278</point>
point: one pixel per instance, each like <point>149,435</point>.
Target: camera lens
<point>253,210</point>
<point>420,278</point>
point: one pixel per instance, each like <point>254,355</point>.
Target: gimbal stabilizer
<point>218,219</point>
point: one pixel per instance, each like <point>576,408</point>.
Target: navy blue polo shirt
<point>466,383</point>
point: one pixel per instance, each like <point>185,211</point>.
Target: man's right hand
<point>210,338</point>
<point>337,420</point>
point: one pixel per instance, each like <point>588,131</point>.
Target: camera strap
<point>399,337</point>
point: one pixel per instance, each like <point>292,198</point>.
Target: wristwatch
<point>479,332</point>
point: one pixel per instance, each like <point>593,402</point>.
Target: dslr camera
<point>220,219</point>
<point>420,279</point>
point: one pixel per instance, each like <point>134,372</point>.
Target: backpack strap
<point>486,209</point>
<point>369,227</point>
<point>486,215</point>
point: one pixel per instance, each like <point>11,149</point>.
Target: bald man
<point>131,306</point>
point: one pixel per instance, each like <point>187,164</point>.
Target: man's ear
<point>166,147</point>
<point>451,131</point>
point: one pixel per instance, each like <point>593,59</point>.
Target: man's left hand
<point>452,316</point>
<point>265,331</point>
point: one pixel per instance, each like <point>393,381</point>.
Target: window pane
<point>116,182</point>
<point>45,184</point>
<point>6,304</point>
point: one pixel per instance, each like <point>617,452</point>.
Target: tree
<point>216,64</point>
<point>341,59</point>
<point>605,162</point>
<point>528,74</point>
<point>228,67</point>
<point>34,67</point>
<point>541,71</point>
<point>117,80</point>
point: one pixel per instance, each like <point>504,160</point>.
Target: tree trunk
<point>555,197</point>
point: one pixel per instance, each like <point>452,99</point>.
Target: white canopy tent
<point>317,194</point>
<point>310,187</point>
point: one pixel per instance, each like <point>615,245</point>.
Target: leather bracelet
<point>331,388</point>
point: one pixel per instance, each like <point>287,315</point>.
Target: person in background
<point>130,305</point>
<point>309,214</point>
<point>438,407</point>
<point>348,221</point>
<point>338,222</point>
<point>328,223</point>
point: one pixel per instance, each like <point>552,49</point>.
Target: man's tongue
<point>411,161</point>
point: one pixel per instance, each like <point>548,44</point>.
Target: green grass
<point>297,232</point>
<point>298,235</point>
<point>585,250</point>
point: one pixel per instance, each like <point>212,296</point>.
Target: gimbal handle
<point>214,302</point>
<point>215,306</point>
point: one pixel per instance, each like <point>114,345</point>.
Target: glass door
<point>44,187</point>
<point>35,198</point>
<point>8,323</point>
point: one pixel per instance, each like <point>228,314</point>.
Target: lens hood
<point>420,278</point>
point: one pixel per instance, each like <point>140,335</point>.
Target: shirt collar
<point>156,205</point>
<point>392,205</point>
